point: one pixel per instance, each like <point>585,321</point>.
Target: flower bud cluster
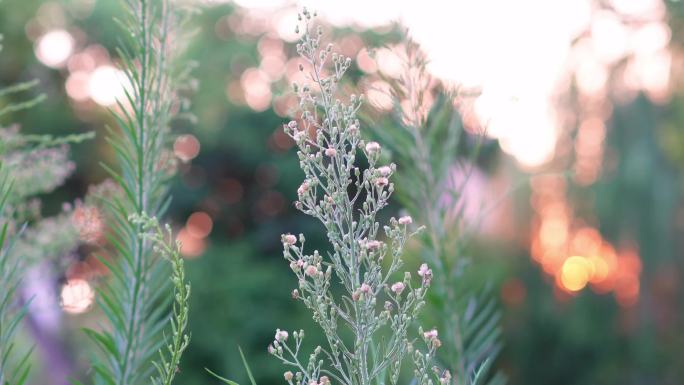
<point>365,263</point>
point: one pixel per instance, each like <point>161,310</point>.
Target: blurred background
<point>583,104</point>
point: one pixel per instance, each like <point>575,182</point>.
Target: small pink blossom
<point>398,287</point>
<point>271,349</point>
<point>372,147</point>
<point>288,376</point>
<point>406,220</point>
<point>385,170</point>
<point>426,273</point>
<point>281,335</point>
<point>356,295</point>
<point>289,239</point>
<point>330,152</point>
<point>373,245</point>
<point>382,181</point>
<point>292,124</point>
<point>303,188</point>
<point>311,271</point>
<point>365,288</point>
<point>431,334</point>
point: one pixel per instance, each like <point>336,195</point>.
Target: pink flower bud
<point>330,152</point>
<point>385,170</point>
<point>292,124</point>
<point>303,188</point>
<point>373,245</point>
<point>289,239</point>
<point>406,220</point>
<point>372,147</point>
<point>288,376</point>
<point>281,335</point>
<point>365,288</point>
<point>398,287</point>
<point>271,349</point>
<point>356,295</point>
<point>295,294</point>
<point>382,181</point>
<point>430,334</point>
<point>426,273</point>
<point>311,271</point>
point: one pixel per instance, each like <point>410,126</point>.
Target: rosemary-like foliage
<point>164,244</point>
<point>29,165</point>
<point>375,307</point>
<point>429,145</point>
<point>12,372</point>
<point>137,299</point>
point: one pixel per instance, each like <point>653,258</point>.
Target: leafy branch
<point>135,300</point>
<point>164,245</point>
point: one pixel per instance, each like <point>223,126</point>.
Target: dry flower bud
<point>398,287</point>
<point>303,188</point>
<point>311,271</point>
<point>385,170</point>
<point>382,181</point>
<point>372,147</point>
<point>289,239</point>
<point>373,245</point>
<point>405,220</point>
<point>330,152</point>
<point>281,335</point>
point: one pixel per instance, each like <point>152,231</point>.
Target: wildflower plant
<point>378,301</point>
<point>136,300</point>
<point>429,142</point>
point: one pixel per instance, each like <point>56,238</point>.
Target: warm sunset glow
<point>575,254</point>
<point>77,296</point>
<point>575,273</point>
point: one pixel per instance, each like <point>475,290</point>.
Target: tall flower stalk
<point>136,298</point>
<point>378,301</point>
